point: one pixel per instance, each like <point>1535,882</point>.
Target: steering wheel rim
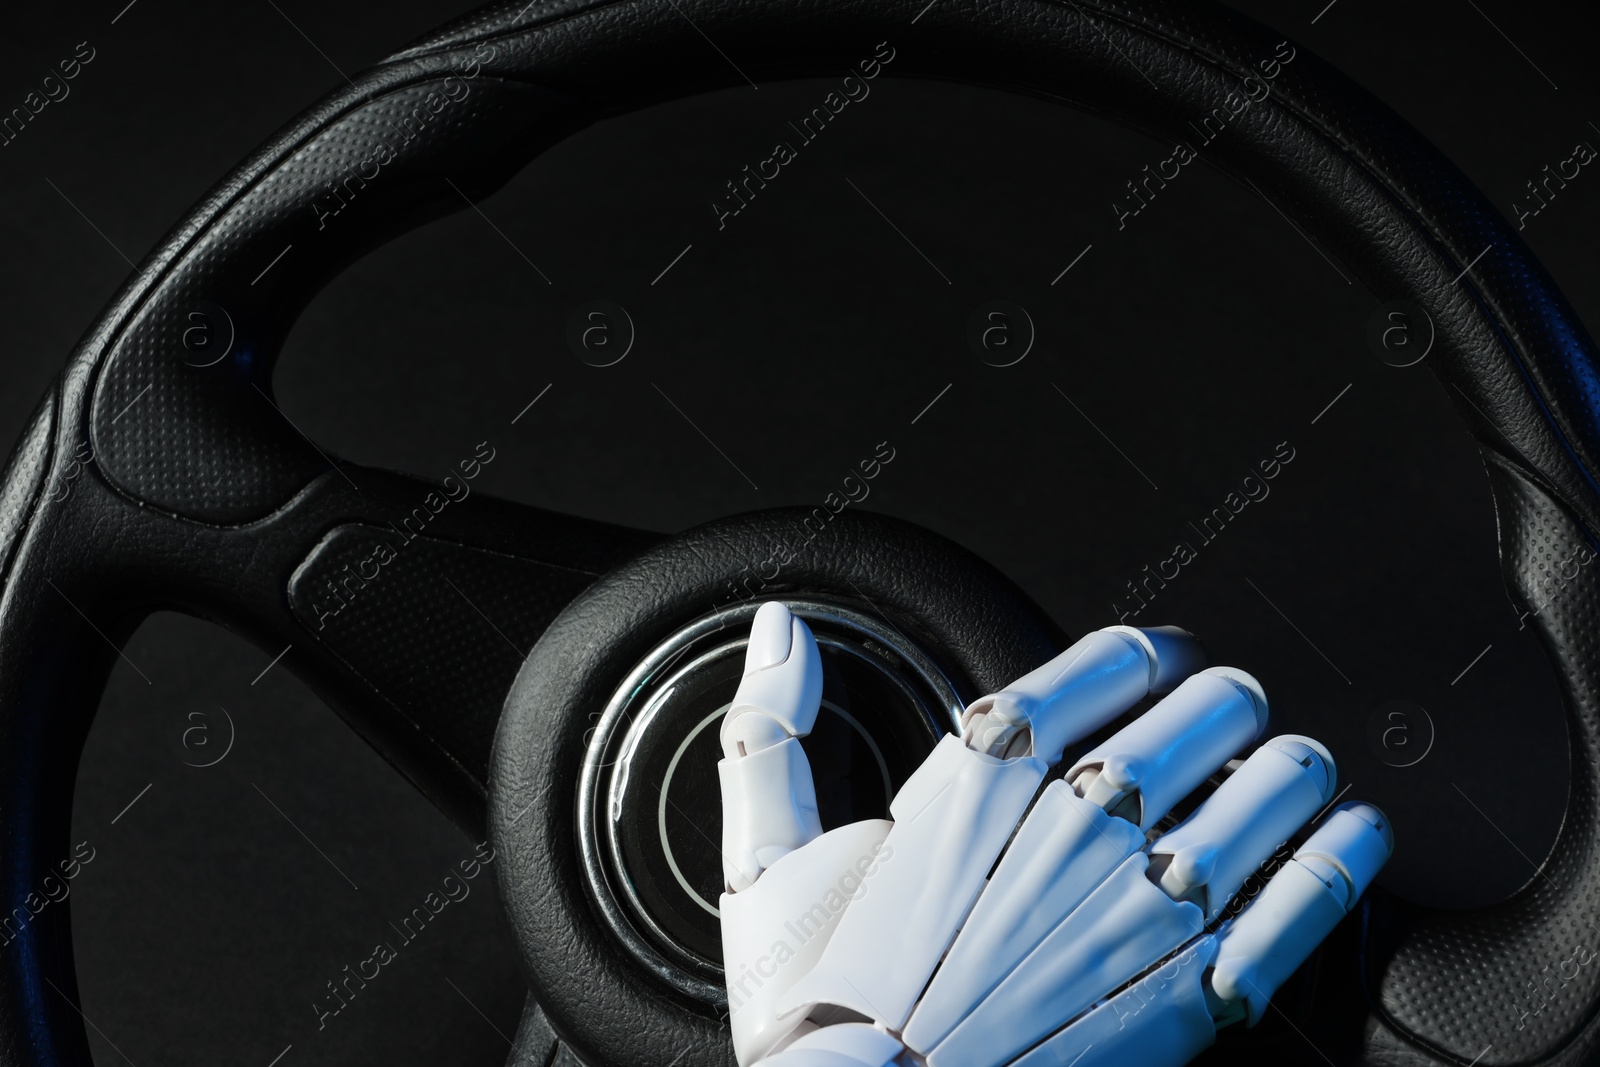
<point>192,459</point>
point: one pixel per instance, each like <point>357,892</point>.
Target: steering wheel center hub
<point>649,821</point>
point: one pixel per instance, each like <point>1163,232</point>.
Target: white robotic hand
<point>1094,940</point>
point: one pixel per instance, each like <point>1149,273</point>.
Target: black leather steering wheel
<point>203,497</point>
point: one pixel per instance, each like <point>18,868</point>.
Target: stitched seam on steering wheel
<point>13,546</point>
<point>580,7</point>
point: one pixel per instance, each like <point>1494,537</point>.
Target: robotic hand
<point>1094,940</point>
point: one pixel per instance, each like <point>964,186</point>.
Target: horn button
<point>649,802</point>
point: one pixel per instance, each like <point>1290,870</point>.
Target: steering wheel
<point>191,490</point>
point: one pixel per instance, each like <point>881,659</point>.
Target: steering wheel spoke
<point>408,605</point>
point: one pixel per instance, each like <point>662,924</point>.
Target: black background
<point>807,331</point>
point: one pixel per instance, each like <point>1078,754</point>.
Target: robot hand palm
<point>1095,938</point>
